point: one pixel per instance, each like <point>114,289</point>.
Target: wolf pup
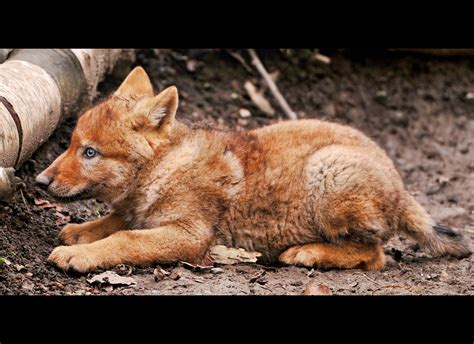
<point>304,192</point>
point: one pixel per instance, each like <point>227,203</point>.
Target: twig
<point>372,280</point>
<point>271,84</point>
<point>24,200</point>
<point>239,58</point>
<point>392,286</point>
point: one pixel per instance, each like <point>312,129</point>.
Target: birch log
<point>39,88</point>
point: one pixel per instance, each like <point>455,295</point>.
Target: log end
<point>7,183</point>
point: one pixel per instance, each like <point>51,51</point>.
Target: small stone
<point>464,149</point>
<point>217,271</point>
<point>244,113</point>
<point>296,283</point>
<point>399,117</point>
<point>381,94</point>
<point>312,288</point>
<point>108,288</point>
<point>469,96</point>
<point>27,286</point>
<point>174,275</point>
<point>19,267</point>
<point>242,122</point>
<point>191,65</point>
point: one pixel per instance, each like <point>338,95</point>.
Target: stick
<point>239,58</point>
<point>273,88</point>
<point>372,280</point>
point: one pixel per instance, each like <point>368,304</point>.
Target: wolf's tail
<point>438,238</point>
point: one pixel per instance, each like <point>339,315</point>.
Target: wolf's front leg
<point>91,231</point>
<point>141,247</point>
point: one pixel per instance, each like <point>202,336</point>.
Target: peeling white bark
<point>35,97</point>
<point>97,63</point>
<point>9,140</point>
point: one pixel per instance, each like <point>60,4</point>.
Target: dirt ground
<point>417,108</point>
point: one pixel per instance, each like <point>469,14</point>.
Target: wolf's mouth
<point>78,196</point>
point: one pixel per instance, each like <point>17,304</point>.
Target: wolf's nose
<point>43,179</point>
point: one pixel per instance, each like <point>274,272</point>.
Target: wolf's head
<point>112,141</point>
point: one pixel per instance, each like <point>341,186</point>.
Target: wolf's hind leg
<point>91,231</point>
<point>344,255</point>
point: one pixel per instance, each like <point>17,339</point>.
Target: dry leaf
<point>62,219</point>
<point>160,274</point>
<point>312,288</point>
<point>227,255</point>
<point>111,278</point>
<point>258,98</point>
<point>63,215</point>
<point>45,204</point>
<point>258,277</point>
<point>4,261</point>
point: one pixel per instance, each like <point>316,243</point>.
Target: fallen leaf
<point>258,276</point>
<point>159,275</point>
<point>63,215</point>
<point>258,99</point>
<point>111,278</point>
<point>312,288</point>
<point>207,259</point>
<point>45,204</point>
<point>4,261</point>
<point>124,270</point>
<point>62,219</point>
<point>228,255</point>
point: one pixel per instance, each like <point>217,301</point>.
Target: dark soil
<point>415,107</point>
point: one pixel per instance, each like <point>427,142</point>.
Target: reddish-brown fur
<point>303,192</point>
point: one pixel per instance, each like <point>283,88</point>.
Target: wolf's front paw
<point>77,258</point>
<point>300,255</point>
<point>73,234</point>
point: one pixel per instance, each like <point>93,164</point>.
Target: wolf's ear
<point>163,109</point>
<point>137,83</point>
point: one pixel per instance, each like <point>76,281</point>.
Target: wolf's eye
<point>90,152</point>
